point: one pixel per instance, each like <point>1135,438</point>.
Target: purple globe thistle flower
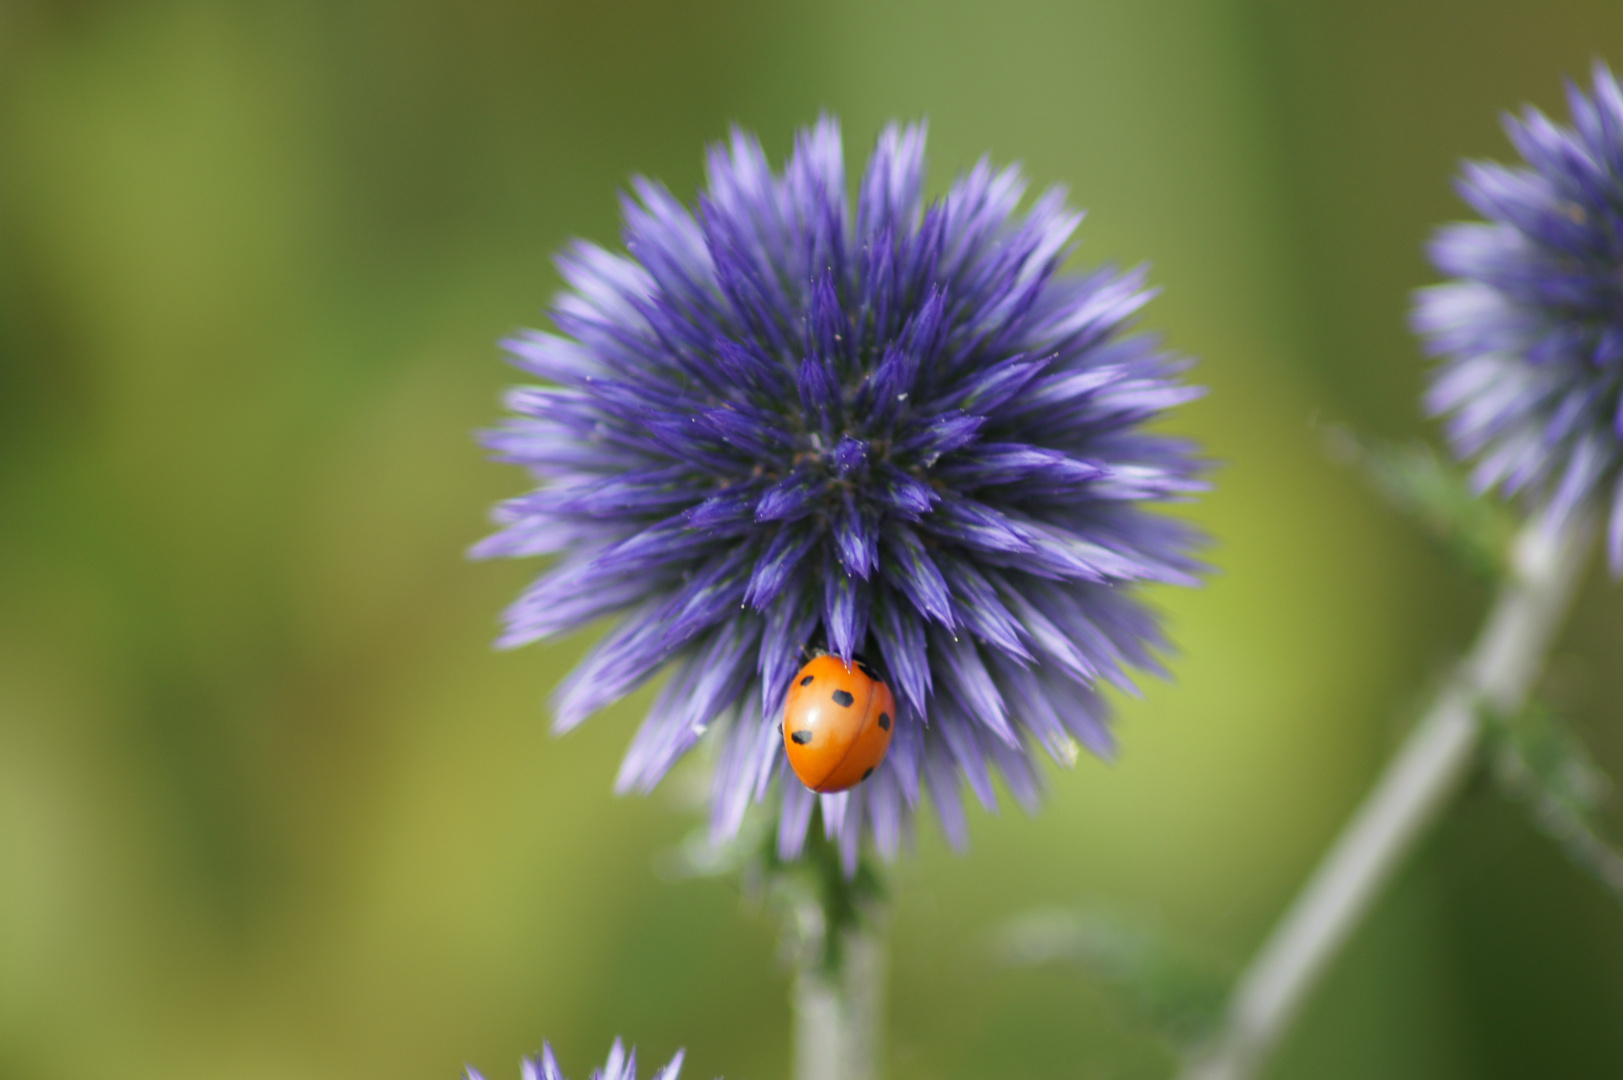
<point>622,1065</point>
<point>1531,332</point>
<point>902,433</point>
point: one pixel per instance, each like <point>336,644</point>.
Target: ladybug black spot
<point>868,773</point>
<point>807,679</point>
<point>843,698</point>
<point>802,737</point>
<point>884,721</point>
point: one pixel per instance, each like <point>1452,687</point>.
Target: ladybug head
<point>859,660</point>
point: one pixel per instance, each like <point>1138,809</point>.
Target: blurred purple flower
<point>620,1066</point>
<point>775,425</point>
<point>1531,333</point>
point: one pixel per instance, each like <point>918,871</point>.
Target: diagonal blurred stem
<point>1497,676</point>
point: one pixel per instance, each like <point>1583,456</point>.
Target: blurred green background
<point>271,807</point>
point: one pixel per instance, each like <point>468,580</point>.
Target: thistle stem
<point>837,939</point>
<point>1497,676</point>
<point>839,1011</point>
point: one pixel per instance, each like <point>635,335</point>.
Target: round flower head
<point>776,426</point>
<point>620,1066</point>
<point>1531,334</point>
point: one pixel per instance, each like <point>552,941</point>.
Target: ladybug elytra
<point>837,723</point>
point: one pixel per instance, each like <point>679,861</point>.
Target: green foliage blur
<point>270,805</point>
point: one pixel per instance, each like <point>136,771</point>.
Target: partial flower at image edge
<point>621,1065</point>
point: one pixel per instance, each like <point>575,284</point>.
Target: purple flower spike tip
<point>783,422</point>
<point>1530,330</point>
<point>622,1065</point>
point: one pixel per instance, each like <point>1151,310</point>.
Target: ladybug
<point>837,723</point>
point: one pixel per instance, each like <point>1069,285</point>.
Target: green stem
<point>839,1015</point>
<point>839,989</point>
<point>1497,675</point>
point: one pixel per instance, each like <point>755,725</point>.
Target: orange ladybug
<point>837,723</point>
